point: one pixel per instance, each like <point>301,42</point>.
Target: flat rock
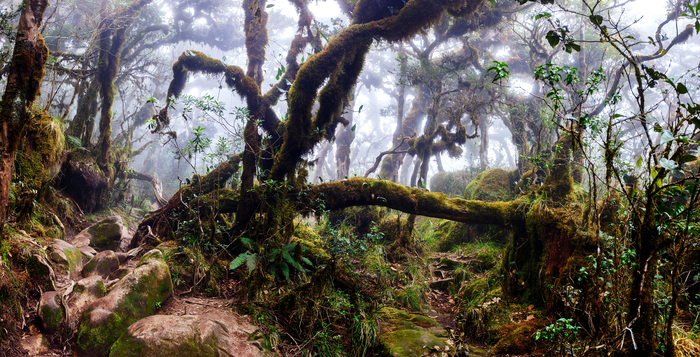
<point>408,335</point>
<point>103,264</point>
<point>212,334</point>
<point>132,298</point>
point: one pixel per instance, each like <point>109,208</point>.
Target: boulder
<point>105,234</point>
<point>408,335</point>
<point>87,251</point>
<point>85,292</point>
<point>103,264</point>
<point>132,298</point>
<point>212,334</point>
<point>51,311</point>
<point>67,259</point>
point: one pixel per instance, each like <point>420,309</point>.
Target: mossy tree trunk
<point>23,85</point>
<point>112,37</point>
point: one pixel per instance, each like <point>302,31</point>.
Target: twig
<point>392,151</point>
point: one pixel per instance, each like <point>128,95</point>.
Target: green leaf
<point>307,261</point>
<point>353,127</point>
<point>235,263</point>
<point>324,36</point>
<point>681,89</point>
<point>687,158</point>
<point>269,6</point>
<point>251,260</point>
<point>639,162</point>
<point>247,241</point>
<point>596,19</point>
<point>667,164</point>
<point>285,270</point>
<point>288,258</point>
<point>360,110</point>
<point>666,136</point>
<point>553,38</point>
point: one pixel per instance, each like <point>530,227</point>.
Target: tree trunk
<point>23,86</point>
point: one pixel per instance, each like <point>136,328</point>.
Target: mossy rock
<point>134,297</point>
<point>67,259</point>
<point>213,334</point>
<point>51,311</point>
<point>107,233</point>
<point>405,334</point>
<point>411,343</point>
<point>103,264</point>
<point>518,338</point>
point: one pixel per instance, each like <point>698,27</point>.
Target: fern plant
<point>284,259</point>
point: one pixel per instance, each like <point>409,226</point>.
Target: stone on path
<point>212,334</point>
<point>134,297</point>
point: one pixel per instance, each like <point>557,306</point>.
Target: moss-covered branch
<point>339,62</point>
<point>367,192</point>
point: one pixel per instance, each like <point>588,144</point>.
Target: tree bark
<point>155,182</point>
<point>23,86</point>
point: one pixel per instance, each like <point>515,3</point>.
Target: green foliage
<point>563,334</point>
<point>500,70</point>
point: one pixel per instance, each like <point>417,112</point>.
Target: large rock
<point>105,234</point>
<point>85,292</point>
<point>51,311</point>
<point>103,264</point>
<point>213,334</point>
<point>67,259</point>
<point>408,335</point>
<point>134,297</point>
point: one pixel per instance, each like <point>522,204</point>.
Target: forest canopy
<point>523,174</point>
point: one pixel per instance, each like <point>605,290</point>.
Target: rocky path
<point>111,302</point>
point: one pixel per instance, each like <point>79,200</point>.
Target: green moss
<point>396,316</point>
<point>410,343</point>
<point>492,185</point>
<point>52,319</point>
<point>143,294</point>
<point>129,347</point>
<point>106,235</point>
<point>451,183</point>
<point>519,341</point>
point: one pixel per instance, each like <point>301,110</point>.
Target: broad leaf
<point>667,164</point>
<point>666,136</point>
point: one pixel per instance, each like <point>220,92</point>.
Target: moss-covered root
<point>367,192</point>
<point>134,297</point>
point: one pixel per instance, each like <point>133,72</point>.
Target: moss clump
<point>106,234</point>
<point>517,338</point>
<point>491,186</point>
<point>410,343</point>
<point>451,183</point>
